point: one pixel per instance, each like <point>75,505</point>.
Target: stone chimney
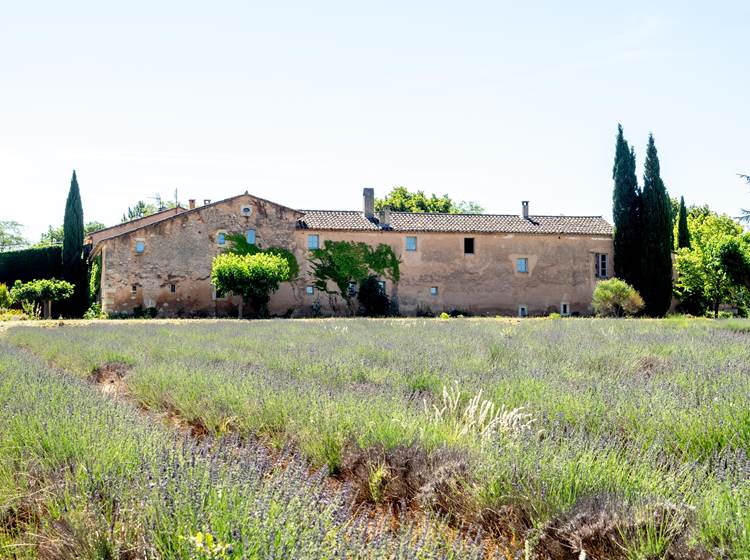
<point>191,203</point>
<point>385,218</point>
<point>369,196</point>
<point>525,209</point>
<point>206,201</point>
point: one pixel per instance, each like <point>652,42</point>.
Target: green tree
<point>140,210</point>
<point>74,265</point>
<point>55,235</point>
<point>656,239</point>
<point>5,299</point>
<point>745,217</point>
<point>400,199</point>
<point>10,236</point>
<point>714,269</point>
<point>616,298</point>
<point>42,291</point>
<point>238,245</point>
<point>372,297</point>
<point>626,201</point>
<point>254,277</point>
<point>347,263</point>
<point>683,233</point>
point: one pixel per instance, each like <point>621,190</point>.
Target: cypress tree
<point>683,235</point>
<point>74,266</point>
<point>657,242</point>
<point>626,213</point>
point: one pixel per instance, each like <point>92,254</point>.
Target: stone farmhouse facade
<point>477,263</point>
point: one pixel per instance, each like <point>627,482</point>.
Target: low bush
<point>616,298</point>
<point>5,299</point>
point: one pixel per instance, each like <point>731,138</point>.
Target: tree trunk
<point>242,300</point>
<point>46,308</point>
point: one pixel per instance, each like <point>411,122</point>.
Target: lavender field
<point>365,438</point>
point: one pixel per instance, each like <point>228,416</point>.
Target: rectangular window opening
<point>602,265</point>
<point>564,309</point>
<point>522,265</point>
<point>134,288</point>
<point>313,241</point>
<point>221,238</point>
<point>468,245</point>
<point>523,311</point>
<point>250,236</point>
<point>381,284</point>
<point>434,291</point>
<point>309,290</point>
<point>172,288</point>
<point>140,246</point>
<point>411,243</point>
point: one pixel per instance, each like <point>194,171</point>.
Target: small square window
<point>173,288</point>
<point>434,291</point>
<point>140,246</point>
<point>468,245</point>
<point>309,290</point>
<point>250,236</point>
<point>221,238</point>
<point>134,288</point>
<point>564,309</point>
<point>411,243</point>
<point>522,265</point>
<point>313,241</point>
<point>523,311</point>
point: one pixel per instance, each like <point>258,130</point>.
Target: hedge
<point>31,264</point>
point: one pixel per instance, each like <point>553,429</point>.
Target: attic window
<point>522,265</point>
<point>468,245</point>
<point>140,246</point>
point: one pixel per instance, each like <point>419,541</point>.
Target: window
<point>221,238</point>
<point>134,288</point>
<point>140,246</point>
<point>468,245</point>
<point>564,309</point>
<point>352,289</point>
<point>309,290</point>
<point>250,236</point>
<point>522,265</point>
<point>602,265</point>
<point>313,241</point>
<point>523,311</point>
<point>411,243</point>
<point>217,294</point>
<point>172,288</point>
<point>434,291</point>
<point>381,284</point>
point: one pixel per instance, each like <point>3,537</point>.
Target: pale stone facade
<point>165,263</point>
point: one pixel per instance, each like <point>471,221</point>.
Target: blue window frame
<point>313,241</point>
<point>140,246</point>
<point>309,290</point>
<point>250,236</point>
<point>522,265</point>
<point>411,243</point>
<point>220,238</point>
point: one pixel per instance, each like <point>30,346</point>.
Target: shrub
<point>616,298</point>
<point>5,299</point>
<point>372,297</point>
<point>29,264</point>
<point>94,312</point>
<point>42,291</point>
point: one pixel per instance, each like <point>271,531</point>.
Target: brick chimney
<point>525,209</point>
<point>369,196</point>
<point>191,203</point>
<point>385,218</point>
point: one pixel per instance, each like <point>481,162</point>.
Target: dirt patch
<point>648,366</point>
<point>109,377</point>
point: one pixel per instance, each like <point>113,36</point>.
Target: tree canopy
<point>42,291</point>
<point>626,210</point>
<point>55,235</point>
<point>745,217</point>
<point>683,233</point>
<point>254,277</point>
<point>11,237</point>
<point>400,199</point>
<point>239,245</point>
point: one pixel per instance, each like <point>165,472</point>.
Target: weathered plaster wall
<point>560,269</point>
<point>179,251</point>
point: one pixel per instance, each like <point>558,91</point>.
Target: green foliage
<point>255,277</point>
<point>400,199</point>
<point>626,213</point>
<point>615,298</point>
<point>55,235</point>
<point>240,246</point>
<point>372,297</point>
<point>713,269</point>
<point>94,312</point>
<point>683,232</point>
<point>140,210</point>
<point>657,243</point>
<point>10,236</point>
<point>745,217</point>
<point>95,278</point>
<point>73,227</point>
<point>344,262</point>
<point>5,299</point>
<point>42,291</point>
<point>28,264</point>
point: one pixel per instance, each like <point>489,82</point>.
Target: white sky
<point>306,103</point>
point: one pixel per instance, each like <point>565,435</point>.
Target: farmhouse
<point>477,263</point>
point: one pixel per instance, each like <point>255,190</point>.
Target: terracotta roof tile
<point>467,223</point>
